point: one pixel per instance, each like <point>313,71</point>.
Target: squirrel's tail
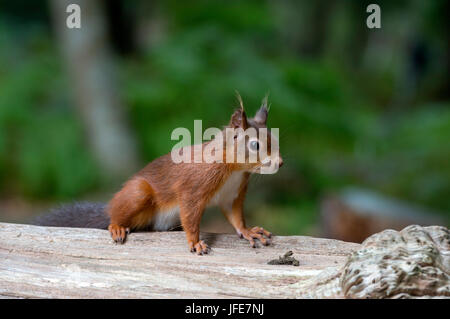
<point>79,214</point>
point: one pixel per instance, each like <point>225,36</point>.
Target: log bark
<point>47,262</point>
<point>50,262</point>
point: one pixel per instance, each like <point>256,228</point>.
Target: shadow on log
<point>47,262</point>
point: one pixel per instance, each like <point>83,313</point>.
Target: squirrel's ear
<point>239,118</point>
<point>261,115</point>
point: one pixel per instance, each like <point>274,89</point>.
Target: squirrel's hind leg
<point>131,207</point>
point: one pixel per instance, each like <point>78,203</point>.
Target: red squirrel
<point>164,193</point>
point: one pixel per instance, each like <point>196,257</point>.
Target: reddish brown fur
<point>163,184</point>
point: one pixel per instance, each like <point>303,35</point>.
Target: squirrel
<point>164,193</point>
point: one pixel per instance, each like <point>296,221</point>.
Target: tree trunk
<point>92,71</point>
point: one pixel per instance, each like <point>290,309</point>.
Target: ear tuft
<point>239,98</point>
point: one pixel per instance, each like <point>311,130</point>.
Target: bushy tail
<point>79,214</point>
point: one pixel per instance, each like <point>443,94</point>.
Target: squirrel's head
<point>255,147</point>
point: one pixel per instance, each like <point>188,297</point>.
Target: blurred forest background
<point>82,109</point>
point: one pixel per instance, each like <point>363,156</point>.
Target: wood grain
<point>50,262</point>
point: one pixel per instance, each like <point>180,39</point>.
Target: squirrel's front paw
<point>255,233</point>
<point>118,233</point>
<point>200,247</point>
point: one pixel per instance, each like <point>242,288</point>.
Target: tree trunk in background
<point>91,69</point>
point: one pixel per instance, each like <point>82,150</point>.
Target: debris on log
<point>287,259</point>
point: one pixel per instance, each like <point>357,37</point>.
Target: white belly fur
<point>166,220</point>
<point>224,197</point>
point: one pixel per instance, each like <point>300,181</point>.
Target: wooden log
<point>50,262</point>
<point>411,263</point>
<point>46,262</point>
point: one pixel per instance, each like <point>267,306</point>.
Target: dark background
<point>367,108</point>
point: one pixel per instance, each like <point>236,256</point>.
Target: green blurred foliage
<point>343,120</point>
<point>42,152</point>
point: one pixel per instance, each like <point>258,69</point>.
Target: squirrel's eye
<point>254,145</point>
